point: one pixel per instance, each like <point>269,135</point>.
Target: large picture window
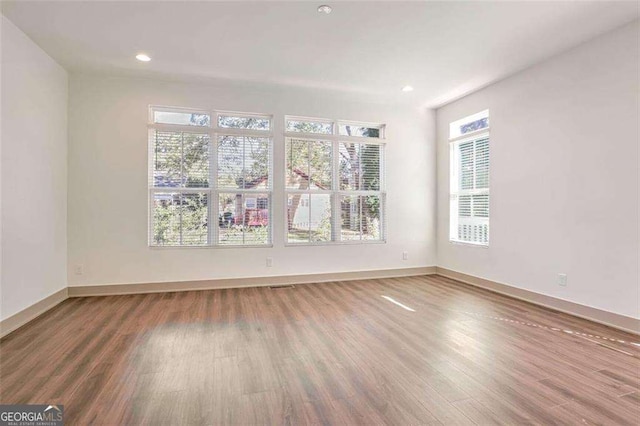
<point>209,178</point>
<point>469,180</point>
<point>334,181</point>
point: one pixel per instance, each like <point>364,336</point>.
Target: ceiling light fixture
<point>407,89</point>
<point>142,57</point>
<point>326,9</point>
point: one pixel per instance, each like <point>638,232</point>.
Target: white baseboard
<point>163,287</point>
<point>621,322</point>
<point>30,313</point>
<point>618,321</point>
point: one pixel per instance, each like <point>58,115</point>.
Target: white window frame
<point>335,193</point>
<point>454,179</point>
<point>213,191</point>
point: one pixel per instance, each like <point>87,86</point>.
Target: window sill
<point>335,243</point>
<point>215,247</point>
<point>469,244</point>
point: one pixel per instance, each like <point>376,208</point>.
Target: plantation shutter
<point>469,179</point>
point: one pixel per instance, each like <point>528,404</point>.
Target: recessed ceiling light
<point>407,89</point>
<point>326,9</point>
<point>142,57</point>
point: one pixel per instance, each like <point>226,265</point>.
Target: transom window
<point>334,181</point>
<point>209,178</point>
<point>469,180</point>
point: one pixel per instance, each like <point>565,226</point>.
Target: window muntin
<point>469,182</point>
<point>334,188</point>
<point>197,176</point>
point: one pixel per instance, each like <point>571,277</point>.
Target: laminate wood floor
<point>433,351</point>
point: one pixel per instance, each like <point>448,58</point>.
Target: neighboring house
<point>306,217</point>
<point>304,211</point>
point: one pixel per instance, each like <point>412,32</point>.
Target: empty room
<point>302,213</point>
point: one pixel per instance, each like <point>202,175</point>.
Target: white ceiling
<point>443,49</point>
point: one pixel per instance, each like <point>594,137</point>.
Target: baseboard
<point>162,287</point>
<point>629,324</point>
<point>30,313</point>
<point>621,322</point>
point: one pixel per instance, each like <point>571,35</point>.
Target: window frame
<point>454,177</point>
<point>213,191</point>
<point>335,193</point>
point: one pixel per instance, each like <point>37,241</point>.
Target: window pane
<point>371,227</point>
<point>472,126</point>
<point>482,163</point>
<point>309,127</point>
<point>166,219</point>
<point>359,167</point>
<point>195,160</point>
<point>239,122</point>
<point>308,164</point>
<point>360,217</point>
<point>180,160</point>
<point>469,124</point>
<point>194,219</point>
<point>180,219</point>
<point>365,132</point>
<point>244,219</point>
<point>298,217</point>
<point>320,164</point>
<point>309,218</point>
<point>466,165</point>
<point>182,118</point>
<point>297,164</point>
<point>243,162</point>
<point>167,161</point>
<point>320,219</point>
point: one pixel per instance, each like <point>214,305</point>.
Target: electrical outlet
<point>269,262</point>
<point>405,255</point>
<point>562,280</point>
<point>79,270</point>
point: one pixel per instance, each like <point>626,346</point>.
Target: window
<point>312,125</point>
<point>469,180</point>
<point>201,169</point>
<point>364,131</point>
<point>334,181</point>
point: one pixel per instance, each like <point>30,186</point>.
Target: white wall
<point>34,173</point>
<point>108,183</point>
<point>564,177</point>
